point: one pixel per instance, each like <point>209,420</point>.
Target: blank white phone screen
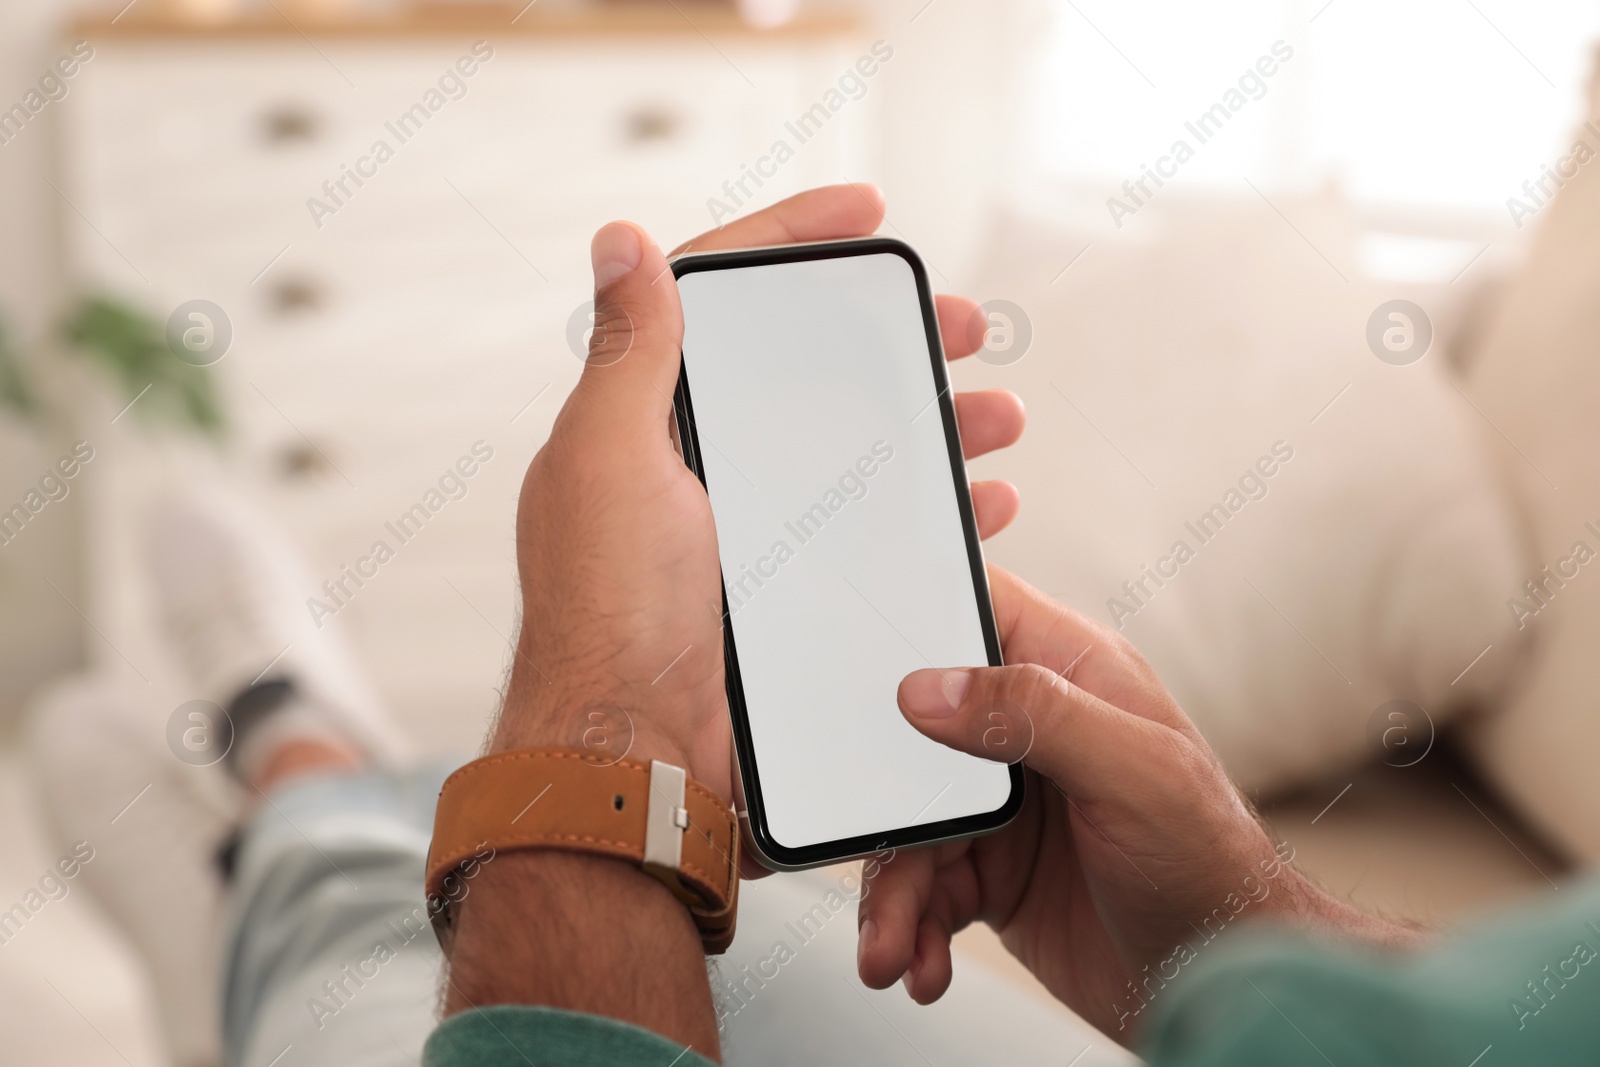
<point>843,553</point>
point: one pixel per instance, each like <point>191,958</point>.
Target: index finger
<point>834,213</point>
<point>888,914</point>
<point>960,324</point>
<point>1082,651</point>
<point>831,213</point>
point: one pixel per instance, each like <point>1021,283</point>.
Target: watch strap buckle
<point>666,819</point>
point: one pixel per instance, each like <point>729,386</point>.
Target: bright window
<point>1449,104</point>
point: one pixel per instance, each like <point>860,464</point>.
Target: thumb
<point>1030,713</point>
<point>634,351</point>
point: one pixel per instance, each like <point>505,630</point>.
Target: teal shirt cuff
<point>514,1035</point>
<point>1523,987</point>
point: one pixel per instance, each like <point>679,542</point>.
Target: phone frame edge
<point>769,852</point>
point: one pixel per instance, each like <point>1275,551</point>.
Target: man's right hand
<point>1132,850</point>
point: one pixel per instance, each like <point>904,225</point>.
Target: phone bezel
<point>769,852</point>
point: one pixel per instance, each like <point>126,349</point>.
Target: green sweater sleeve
<point>1522,989</point>
<point>515,1036</point>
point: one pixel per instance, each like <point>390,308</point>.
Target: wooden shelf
<point>601,19</point>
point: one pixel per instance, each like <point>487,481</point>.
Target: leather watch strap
<point>651,814</point>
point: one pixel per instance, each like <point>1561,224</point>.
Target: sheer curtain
<point>1435,106</point>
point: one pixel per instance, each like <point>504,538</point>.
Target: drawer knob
<point>301,462</point>
<point>288,124</point>
<point>648,124</point>
<point>293,296</point>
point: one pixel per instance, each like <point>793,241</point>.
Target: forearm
<point>1306,906</point>
<point>582,933</point>
<point>576,931</point>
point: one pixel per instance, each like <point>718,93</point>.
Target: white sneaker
<point>155,825</point>
<point>231,595</point>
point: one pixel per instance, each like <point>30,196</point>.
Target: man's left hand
<point>621,585</point>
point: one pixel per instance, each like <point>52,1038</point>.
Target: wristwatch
<point>649,814</point>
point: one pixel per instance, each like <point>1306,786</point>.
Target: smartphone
<point>814,405</point>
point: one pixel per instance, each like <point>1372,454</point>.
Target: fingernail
<point>615,251</point>
<point>934,694</point>
<point>866,937</point>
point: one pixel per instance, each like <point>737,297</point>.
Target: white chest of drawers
<point>373,345</point>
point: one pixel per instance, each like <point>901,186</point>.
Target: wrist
<point>595,717</point>
<point>1321,914</point>
<point>582,933</point>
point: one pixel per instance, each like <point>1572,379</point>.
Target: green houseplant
<point>130,349</point>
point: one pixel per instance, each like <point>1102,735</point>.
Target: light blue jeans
<point>331,960</point>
